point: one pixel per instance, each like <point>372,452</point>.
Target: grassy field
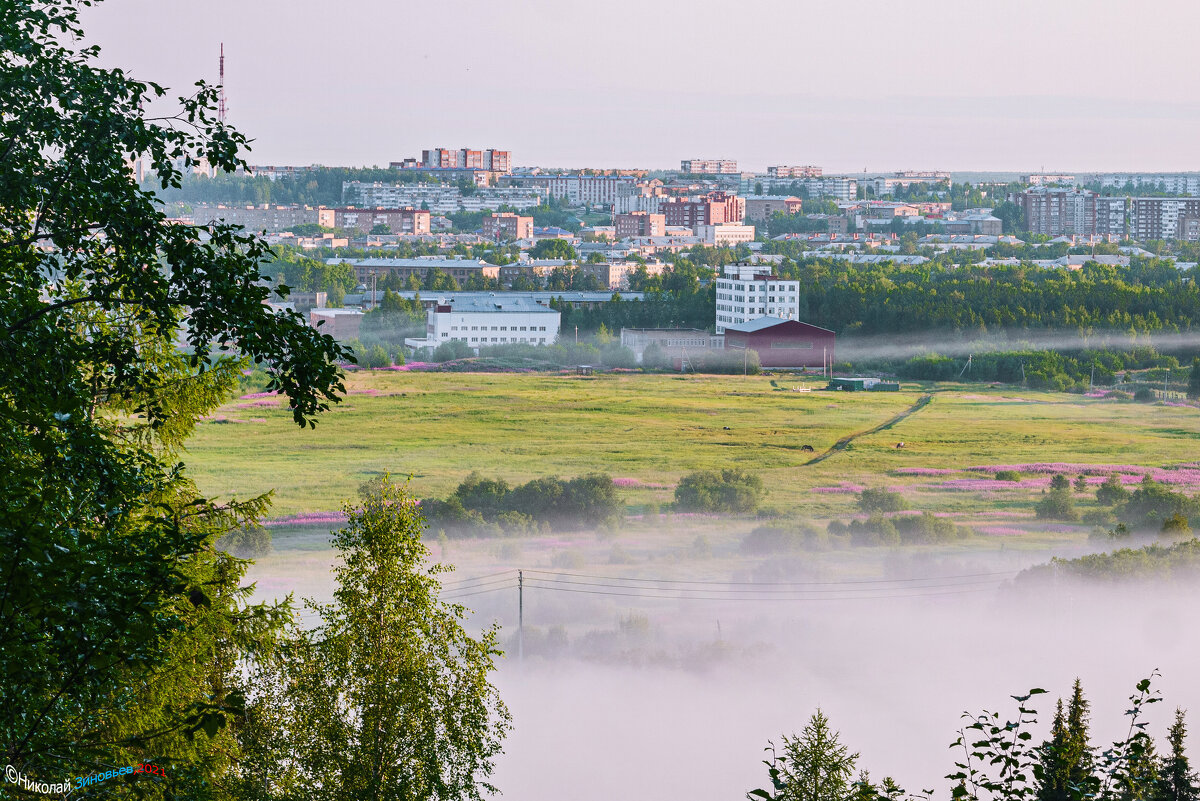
<point>648,430</point>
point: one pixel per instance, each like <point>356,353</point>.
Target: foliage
<point>1057,504</point>
<point>389,697</point>
<point>553,249</point>
<point>482,506</point>
<point>729,490</point>
<point>1193,387</point>
<point>1111,492</point>
<point>1008,475</point>
<point>899,530</point>
<point>814,766</point>
<point>450,350</point>
<point>1059,482</point>
<point>1160,562</point>
<point>1152,504</point>
<point>880,500</point>
<point>779,538</point>
<point>247,543</point>
<point>121,625</point>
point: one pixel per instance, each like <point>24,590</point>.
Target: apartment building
<point>1047,178</point>
<point>257,218</point>
<point>639,223</point>
<point>712,209</point>
<point>1163,217</point>
<point>1112,216</point>
<point>1183,183</point>
<point>590,190</point>
<point>615,274</point>
<point>887,184</point>
<point>761,207</point>
<point>458,269</point>
<point>806,171</point>
<point>747,292</point>
<point>492,320</point>
<point>398,221</point>
<point>492,160</point>
<point>439,198</point>
<point>725,234</point>
<point>709,166</point>
<point>507,225</point>
<point>1055,212</point>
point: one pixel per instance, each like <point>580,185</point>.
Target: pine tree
<point>1177,781</point>
<point>1066,769</point>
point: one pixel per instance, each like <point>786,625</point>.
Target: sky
<point>1008,85</point>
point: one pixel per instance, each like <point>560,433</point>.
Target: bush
<point>880,500</point>
<point>1057,504</point>
<point>450,350</point>
<point>1008,475</point>
<point>376,358</point>
<point>481,506</point>
<point>724,491</point>
<point>1060,482</point>
<point>780,539</point>
<point>1151,504</point>
<point>1144,395</point>
<point>247,543</point>
<point>1111,492</point>
<point>925,527</point>
<point>875,530</point>
<point>1176,525</point>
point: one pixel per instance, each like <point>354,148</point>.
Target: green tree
<point>1111,492</point>
<point>814,766</point>
<point>389,697</point>
<point>121,625</point>
<point>1177,780</point>
<point>1057,504</point>
<point>380,229</point>
<point>552,249</point>
<point>1065,768</point>
<point>1193,388</point>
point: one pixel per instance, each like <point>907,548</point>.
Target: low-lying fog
<point>624,696</point>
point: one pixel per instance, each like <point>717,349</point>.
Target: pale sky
<point>1071,85</point>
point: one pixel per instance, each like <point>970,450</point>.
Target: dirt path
<point>841,444</point>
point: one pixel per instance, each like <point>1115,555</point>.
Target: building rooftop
<point>766,322</point>
<point>497,303</point>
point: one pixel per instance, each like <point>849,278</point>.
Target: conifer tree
<point>1066,769</point>
<point>1177,781</point>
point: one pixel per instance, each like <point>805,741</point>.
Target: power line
<point>770,590</point>
<point>772,583</point>
<point>776,598</point>
<point>478,592</point>
<point>478,578</point>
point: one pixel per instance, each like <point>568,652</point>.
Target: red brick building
<point>713,209</point>
<point>640,223</point>
<point>507,225</point>
<point>782,343</point>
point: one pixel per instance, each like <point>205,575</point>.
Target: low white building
<point>725,234</point>
<point>749,291</point>
<point>490,320</point>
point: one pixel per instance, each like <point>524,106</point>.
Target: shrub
<point>875,530</point>
<point>1081,483</point>
<point>450,350</point>
<point>925,527</point>
<point>250,543</point>
<point>719,491</point>
<point>1144,395</point>
<point>1151,504</point>
<point>880,500</point>
<point>377,357</point>
<point>1008,475</point>
<point>1060,482</point>
<point>572,560</point>
<point>1176,525</point>
<point>1057,504</point>
<point>779,539</point>
<point>1111,492</point>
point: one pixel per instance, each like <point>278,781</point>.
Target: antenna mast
<point>221,104</point>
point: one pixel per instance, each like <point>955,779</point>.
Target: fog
<point>905,346</point>
<point>675,696</point>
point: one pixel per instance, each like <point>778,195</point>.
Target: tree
<point>389,697</point>
<point>1193,388</point>
<point>1177,780</point>
<point>1111,492</point>
<point>814,766</point>
<point>1065,762</point>
<point>121,624</point>
<point>380,229</point>
<point>552,249</point>
<point>1057,504</point>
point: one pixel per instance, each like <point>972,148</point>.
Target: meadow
<point>649,430</point>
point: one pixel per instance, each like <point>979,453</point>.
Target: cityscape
<point>788,402</point>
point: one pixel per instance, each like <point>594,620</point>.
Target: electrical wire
<point>775,599</point>
<point>478,578</point>
<point>769,583</point>
<point>479,592</point>
<point>767,590</point>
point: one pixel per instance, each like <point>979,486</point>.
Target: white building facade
<point>492,320</point>
<point>749,291</point>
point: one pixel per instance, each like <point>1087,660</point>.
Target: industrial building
<point>492,320</point>
<point>782,343</point>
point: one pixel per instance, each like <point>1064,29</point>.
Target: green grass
<point>655,428</point>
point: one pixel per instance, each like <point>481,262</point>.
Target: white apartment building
<point>439,198</point>
<point>490,320</point>
<point>1187,183</point>
<point>591,190</point>
<point>749,291</point>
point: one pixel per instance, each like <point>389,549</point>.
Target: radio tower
<point>221,104</point>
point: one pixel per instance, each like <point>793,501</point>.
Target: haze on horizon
<point>1078,85</point>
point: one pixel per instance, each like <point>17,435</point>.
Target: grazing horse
<point>807,448</point>
<point>899,444</point>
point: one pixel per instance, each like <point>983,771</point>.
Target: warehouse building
<point>492,320</point>
<point>782,343</point>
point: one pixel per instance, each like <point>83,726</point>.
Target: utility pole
<point>576,335</point>
<point>374,301</point>
<point>520,616</point>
